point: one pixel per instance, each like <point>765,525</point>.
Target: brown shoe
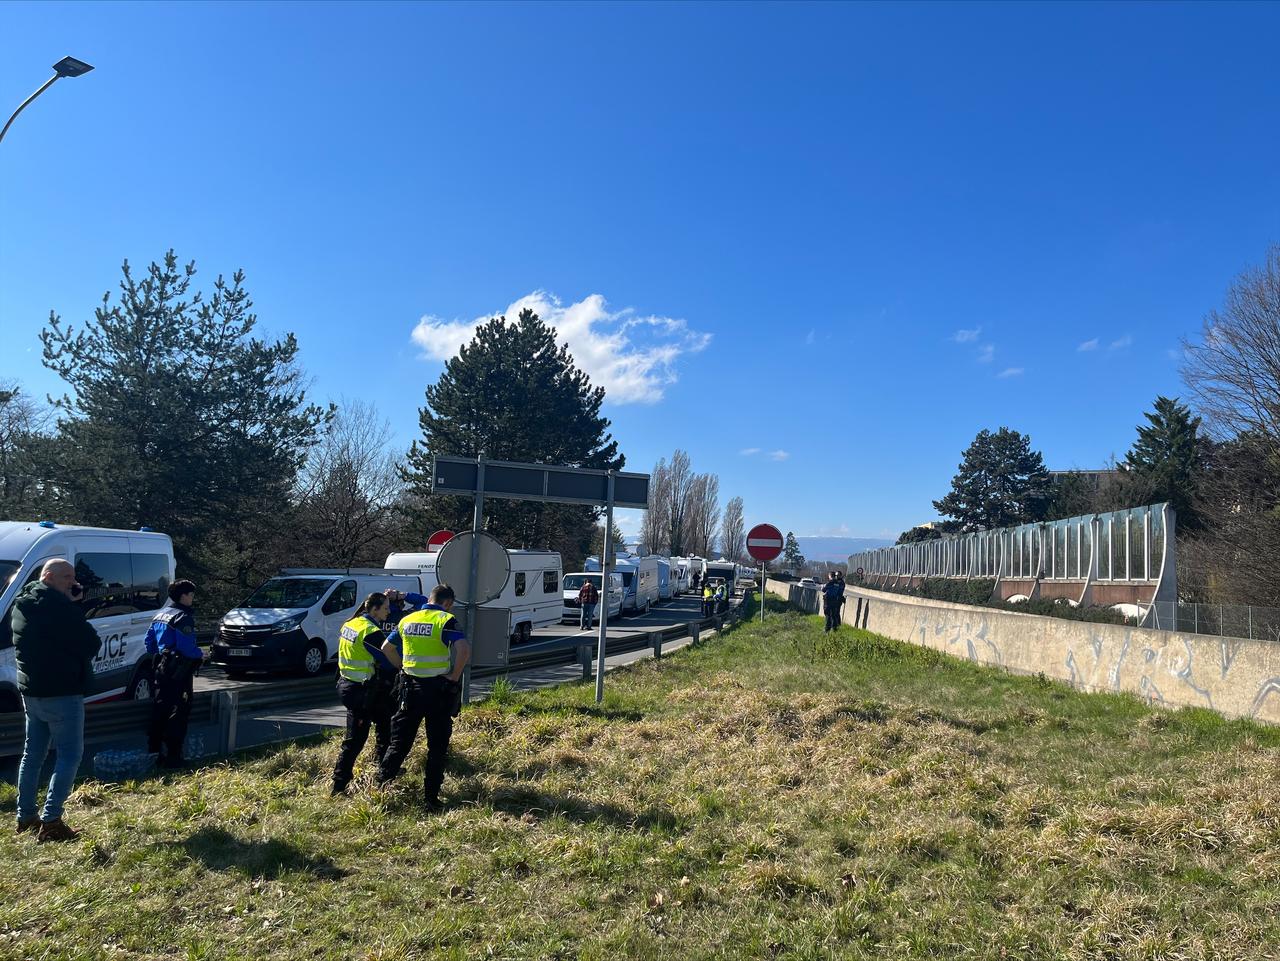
<point>30,824</point>
<point>56,830</point>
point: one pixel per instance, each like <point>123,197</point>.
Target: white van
<point>125,576</point>
<point>639,579</point>
<point>292,621</point>
<point>532,593</point>
<point>726,571</point>
<point>573,583</point>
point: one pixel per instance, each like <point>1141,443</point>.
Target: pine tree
<point>1001,482</point>
<point>791,555</point>
<point>1165,461</point>
<point>513,395</point>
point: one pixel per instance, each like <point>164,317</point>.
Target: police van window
<point>107,580</point>
<point>520,584</point>
<point>150,581</point>
<point>6,625</point>
<point>550,582</point>
<point>341,599</point>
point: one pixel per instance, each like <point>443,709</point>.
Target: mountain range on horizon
<point>817,548</point>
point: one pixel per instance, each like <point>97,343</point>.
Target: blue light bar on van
<point>49,524</point>
<point>146,530</point>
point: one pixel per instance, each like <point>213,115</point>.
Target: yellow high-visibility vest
<point>355,663</point>
<point>425,652</point>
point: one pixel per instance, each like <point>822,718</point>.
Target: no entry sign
<point>438,540</point>
<point>764,542</point>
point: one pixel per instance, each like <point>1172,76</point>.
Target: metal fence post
<point>656,638</point>
<point>1251,622</point>
<point>1195,610</point>
<point>584,659</point>
<point>230,710</point>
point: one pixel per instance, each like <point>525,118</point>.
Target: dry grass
<point>772,794</point>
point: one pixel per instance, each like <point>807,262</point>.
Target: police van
<point>125,576</point>
<point>291,622</point>
<point>532,592</point>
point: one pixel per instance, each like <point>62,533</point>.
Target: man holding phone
<point>54,647</point>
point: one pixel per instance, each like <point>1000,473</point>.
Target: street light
<point>66,67</point>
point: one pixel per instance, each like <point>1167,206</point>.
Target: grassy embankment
<point>772,793</point>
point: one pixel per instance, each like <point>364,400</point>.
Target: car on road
<point>808,582</point>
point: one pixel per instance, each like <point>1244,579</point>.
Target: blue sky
<point>852,235</point>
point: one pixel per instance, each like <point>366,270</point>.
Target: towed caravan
<point>125,576</point>
<point>639,580</point>
<point>532,592</point>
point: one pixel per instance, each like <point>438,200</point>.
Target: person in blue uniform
<point>175,658</point>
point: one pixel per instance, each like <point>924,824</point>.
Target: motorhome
<point>125,577</point>
<point>292,621</point>
<point>666,579</point>
<point>724,570</point>
<point>573,584</point>
<point>532,592</point>
<point>639,579</point>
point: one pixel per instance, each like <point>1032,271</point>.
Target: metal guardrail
<point>128,719</point>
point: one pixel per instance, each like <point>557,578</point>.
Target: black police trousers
<point>422,699</point>
<point>369,704</point>
<point>170,712</point>
<point>832,610</point>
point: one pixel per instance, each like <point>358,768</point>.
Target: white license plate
<point>240,651</point>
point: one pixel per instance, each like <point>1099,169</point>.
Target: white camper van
<point>639,580</point>
<point>726,571</point>
<point>573,583</point>
<point>532,593</point>
<point>125,576</point>
<point>292,621</point>
<point>666,579</point>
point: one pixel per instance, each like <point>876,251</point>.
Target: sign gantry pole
<point>477,524</point>
<point>606,566</point>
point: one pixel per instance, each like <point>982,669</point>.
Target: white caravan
<point>666,579</point>
<point>639,580</point>
<point>292,621</point>
<point>125,576</point>
<point>573,583</point>
<point>532,593</point>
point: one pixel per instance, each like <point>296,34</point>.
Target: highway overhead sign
<point>438,540</point>
<point>764,542</point>
<point>538,482</point>
<point>493,567</point>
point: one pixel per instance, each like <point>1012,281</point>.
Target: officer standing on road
<point>175,658</point>
<point>721,597</point>
<point>832,598</point>
<point>435,654</point>
<point>708,599</point>
<point>366,684</point>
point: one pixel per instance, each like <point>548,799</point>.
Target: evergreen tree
<point>791,555</point>
<point>1165,461</point>
<point>512,394</point>
<point>1001,482</point>
<point>179,418</point>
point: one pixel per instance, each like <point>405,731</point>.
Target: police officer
<point>366,682</point>
<point>720,595</point>
<point>708,599</point>
<point>175,658</point>
<point>435,652</point>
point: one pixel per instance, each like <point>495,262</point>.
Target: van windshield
<point>289,592</point>
<point>626,578</point>
<point>574,582</point>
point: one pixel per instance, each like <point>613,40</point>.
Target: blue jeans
<point>50,720</point>
<point>588,615</point>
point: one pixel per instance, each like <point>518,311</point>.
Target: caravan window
<point>550,582</point>
<point>520,584</point>
<point>107,580</point>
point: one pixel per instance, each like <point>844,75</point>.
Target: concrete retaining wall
<point>1234,676</point>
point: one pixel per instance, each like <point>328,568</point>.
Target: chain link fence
<point>1220,620</point>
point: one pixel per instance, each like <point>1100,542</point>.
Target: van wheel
<point>140,687</point>
<point>313,659</point>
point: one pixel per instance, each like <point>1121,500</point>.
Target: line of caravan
<point>639,580</point>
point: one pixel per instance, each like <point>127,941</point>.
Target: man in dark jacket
<point>54,647</point>
<point>832,598</point>
<point>171,642</point>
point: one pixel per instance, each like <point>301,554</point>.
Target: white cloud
<point>749,451</point>
<point>1011,372</point>
<point>810,337</point>
<point>1088,345</point>
<point>1123,342</point>
<point>779,455</point>
<point>632,357</point>
<point>986,353</point>
<point>964,336</point>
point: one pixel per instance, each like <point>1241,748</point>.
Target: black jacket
<point>53,643</point>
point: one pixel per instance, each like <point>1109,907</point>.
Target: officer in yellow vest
<point>366,677</point>
<point>707,599</point>
<point>434,654</point>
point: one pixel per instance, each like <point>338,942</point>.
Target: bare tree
<point>733,531</point>
<point>655,529</point>
<point>24,423</point>
<point>349,491</point>
<point>704,520</point>
<point>1234,371</point>
<point>679,483</point>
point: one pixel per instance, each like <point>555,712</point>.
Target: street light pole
<point>66,67</point>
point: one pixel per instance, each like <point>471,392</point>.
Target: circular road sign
<point>764,542</point>
<point>453,567</point>
<point>438,540</point>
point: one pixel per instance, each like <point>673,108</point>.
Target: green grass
<point>772,793</point>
